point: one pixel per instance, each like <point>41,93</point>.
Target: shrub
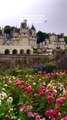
<point>50,67</point>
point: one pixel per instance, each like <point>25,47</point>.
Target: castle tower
<point>33,39</point>
<point>24,35</point>
<point>2,36</point>
<point>33,31</point>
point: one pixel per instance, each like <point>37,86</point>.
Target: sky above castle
<point>46,15</point>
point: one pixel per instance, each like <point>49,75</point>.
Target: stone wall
<point>17,61</point>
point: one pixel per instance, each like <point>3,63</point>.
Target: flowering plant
<point>34,97</point>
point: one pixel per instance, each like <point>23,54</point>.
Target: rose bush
<point>34,97</point>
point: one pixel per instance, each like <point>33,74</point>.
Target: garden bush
<point>41,96</point>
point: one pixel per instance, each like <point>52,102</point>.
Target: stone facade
<point>54,42</point>
<point>22,42</point>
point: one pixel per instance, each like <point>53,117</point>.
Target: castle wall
<point>18,48</point>
<point>2,39</point>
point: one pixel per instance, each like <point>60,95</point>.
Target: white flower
<point>43,83</point>
<point>39,80</point>
<point>3,89</point>
<point>11,109</point>
<point>18,119</point>
<point>5,85</point>
<point>14,77</point>
<point>34,83</point>
<point>14,117</point>
<point>4,94</point>
<point>55,90</point>
<point>10,100</point>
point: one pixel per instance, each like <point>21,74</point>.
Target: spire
<point>33,28</point>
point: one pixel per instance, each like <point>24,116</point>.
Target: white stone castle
<point>25,40</point>
<point>22,42</point>
<point>54,42</point>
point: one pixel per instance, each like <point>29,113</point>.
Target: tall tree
<point>7,29</point>
<point>41,36</point>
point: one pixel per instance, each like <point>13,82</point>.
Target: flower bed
<point>34,97</point>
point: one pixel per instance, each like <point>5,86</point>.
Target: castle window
<point>14,51</point>
<point>7,51</point>
<point>21,51</point>
<point>28,52</point>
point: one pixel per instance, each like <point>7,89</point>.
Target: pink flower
<point>55,113</point>
<point>54,94</point>
<point>65,118</point>
<point>22,108</point>
<point>58,105</point>
<point>35,114</point>
<point>52,113</point>
<point>7,117</point>
<point>29,107</point>
<point>30,114</point>
<point>9,82</point>
<point>59,101</point>
<point>48,113</point>
<point>37,117</point>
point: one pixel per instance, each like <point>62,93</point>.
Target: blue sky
<point>12,13</point>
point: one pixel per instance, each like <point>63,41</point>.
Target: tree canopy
<point>41,36</point>
<point>65,38</point>
<point>7,29</point>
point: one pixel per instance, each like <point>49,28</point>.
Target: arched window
<point>21,52</point>
<point>7,51</point>
<point>14,51</point>
<point>28,52</point>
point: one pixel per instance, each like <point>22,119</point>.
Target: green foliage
<point>7,29</point>
<point>41,36</point>
<point>65,38</point>
<point>50,67</point>
<point>15,72</point>
<point>26,92</point>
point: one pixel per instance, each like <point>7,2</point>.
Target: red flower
<point>39,72</point>
<point>50,99</point>
<point>41,93</point>
<point>52,113</point>
<point>43,88</point>
<point>20,82</point>
<point>29,89</point>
